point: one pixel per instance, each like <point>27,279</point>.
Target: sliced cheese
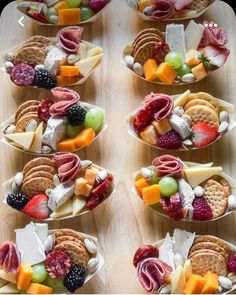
<point>193,35</point>
<point>78,204</point>
<point>178,281</point>
<point>88,64</point>
<point>2,282</point>
<point>65,210</point>
<point>9,277</point>
<point>182,99</point>
<point>36,146</point>
<point>82,51</point>
<point>196,176</point>
<point>9,288</point>
<point>183,241</point>
<point>94,51</point>
<point>24,139</point>
<point>175,38</point>
<point>187,269</point>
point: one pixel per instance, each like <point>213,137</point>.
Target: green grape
<point>73,3</point>
<point>51,11</point>
<point>55,284</point>
<point>183,70</point>
<point>86,13</point>
<point>94,119</point>
<point>155,179</point>
<point>168,186</point>
<point>73,131</point>
<point>174,59</point>
<point>39,273</point>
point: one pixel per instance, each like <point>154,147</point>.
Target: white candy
<point>146,173</point>
<point>199,191</point>
<point>90,246</point>
<point>54,19</point>
<point>46,149</point>
<point>232,202</point>
<point>39,67</point>
<point>138,68</point>
<point>8,66</point>
<point>188,78</point>
<point>18,179</point>
<point>223,128</point>
<point>102,175</point>
<point>165,289</point>
<point>85,164</point>
<point>133,4</point>
<point>73,58</point>
<point>31,126</point>
<point>179,111</point>
<point>149,10</point>
<point>56,180</point>
<point>178,259</point>
<point>92,265</point>
<point>225,283</point>
<point>188,144</point>
<point>10,56</point>
<point>129,61</point>
<point>9,129</point>
<point>224,116</point>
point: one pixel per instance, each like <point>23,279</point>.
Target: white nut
<point>92,265</point>
<point>188,144</point>
<point>85,164</point>
<point>54,19</point>
<point>18,179</point>
<point>232,202</point>
<point>199,191</point>
<point>49,243</point>
<point>187,119</point>
<point>90,246</point>
<point>232,277</point>
<point>149,10</point>
<point>223,128</point>
<point>165,289</point>
<point>101,175</point>
<point>225,283</point>
<point>23,6</point>
<point>190,212</point>
<point>46,149</point>
<point>15,188</point>
<point>85,2</point>
<point>224,116</point>
<point>133,4</point>
<point>138,68</point>
<point>10,56</point>
<point>31,126</point>
<point>146,173</point>
<point>73,58</point>
<point>188,78</point>
<point>179,111</point>
<point>178,260</point>
<point>39,67</point>
<point>48,192</point>
<point>129,61</point>
<point>8,66</point>
<point>56,180</point>
<point>219,290</point>
<point>9,129</point>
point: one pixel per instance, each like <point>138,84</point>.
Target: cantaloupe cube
<point>84,138</point>
<point>140,184</point>
<point>150,69</point>
<point>151,194</point>
<point>82,188</point>
<point>69,71</point>
<point>67,81</point>
<point>192,58</point>
<point>69,16</point>
<point>61,5</point>
<point>90,175</point>
<point>67,145</point>
<point>35,288</point>
<point>142,4</point>
<point>149,135</point>
<point>24,276</point>
<point>162,127</point>
<point>199,71</point>
<point>166,73</point>
<point>211,284</point>
<point>194,284</point>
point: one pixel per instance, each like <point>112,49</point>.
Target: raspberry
<point>173,206</point>
<point>145,252</point>
<point>97,5</point>
<point>231,263</point>
<point>202,210</point>
<point>171,140</point>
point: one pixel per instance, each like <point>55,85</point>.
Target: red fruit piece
<point>214,57</point>
<point>143,118</point>
<point>204,134</point>
<point>143,252</point>
<point>37,16</point>
<point>43,110</point>
<point>58,264</point>
<point>171,140</point>
<point>37,207</point>
<point>100,193</point>
<point>97,5</point>
<point>202,210</point>
<point>173,206</point>
<point>231,263</point>
<point>181,4</point>
<point>159,52</point>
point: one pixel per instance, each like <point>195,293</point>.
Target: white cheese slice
<point>36,146</point>
<point>94,51</point>
<point>55,58</point>
<point>42,231</point>
<point>78,204</point>
<point>9,288</point>
<point>175,38</point>
<point>166,251</point>
<point>182,99</point>
<point>9,277</point>
<point>187,269</point>
<point>60,194</point>
<point>82,51</point>
<point>193,35</point>
<point>65,210</point>
<point>88,64</point>
<point>178,281</point>
<point>54,133</point>
<point>23,139</point>
<point>182,241</point>
<point>196,176</point>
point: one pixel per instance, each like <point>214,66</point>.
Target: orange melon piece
<point>199,71</point>
<point>82,188</point>
<point>61,5</point>
<point>194,284</point>
<point>162,126</point>
<point>67,145</point>
<point>150,68</point>
<point>211,284</point>
<point>84,138</point>
<point>69,71</point>
<point>166,73</point>
<point>67,81</point>
<point>90,175</point>
<point>24,276</point>
<point>35,288</point>
<point>69,16</point>
<point>151,194</point>
<point>140,184</point>
<point>192,58</point>
<point>149,135</point>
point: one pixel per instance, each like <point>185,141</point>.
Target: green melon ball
<point>168,186</point>
<point>86,13</point>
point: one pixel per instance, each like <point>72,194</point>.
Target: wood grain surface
<point>123,223</point>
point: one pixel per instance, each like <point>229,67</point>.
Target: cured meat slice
<point>69,38</point>
<point>213,35</point>
<point>68,165</point>
<point>168,165</point>
<point>43,110</point>
<point>63,99</point>
<point>152,273</point>
<point>22,75</point>
<point>164,9</point>
<point>58,264</point>
<point>9,257</point>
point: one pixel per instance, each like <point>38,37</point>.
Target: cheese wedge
<point>65,210</point>
<point>94,51</point>
<point>178,281</point>
<point>175,38</point>
<point>9,277</point>
<point>78,204</point>
<point>187,269</point>
<point>36,146</point>
<point>24,139</point>
<point>193,35</point>
<point>182,99</point>
<point>196,176</point>
<point>9,288</point>
<point>82,51</point>
<point>88,64</point>
<point>2,282</point>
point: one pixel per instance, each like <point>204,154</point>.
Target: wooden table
<point>123,223</point>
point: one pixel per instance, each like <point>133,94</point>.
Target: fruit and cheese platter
<point>186,191</point>
<point>181,122</point>
<point>62,12</point>
<point>186,263</point>
<point>44,62</point>
<point>43,261</point>
<point>57,188</point>
<point>60,124</point>
<point>179,56</point>
<point>168,10</point>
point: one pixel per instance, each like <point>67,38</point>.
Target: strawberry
<point>37,207</point>
<point>214,57</point>
<point>203,134</point>
<point>181,4</point>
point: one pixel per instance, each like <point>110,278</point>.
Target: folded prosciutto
<point>69,38</point>
<point>9,257</point>
<point>213,36</point>
<point>164,9</point>
<point>168,165</point>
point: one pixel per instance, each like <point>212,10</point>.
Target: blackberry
<point>76,115</point>
<point>43,79</point>
<point>75,278</point>
<point>17,201</point>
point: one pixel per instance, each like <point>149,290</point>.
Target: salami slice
<point>22,75</point>
<point>213,36</point>
<point>68,165</point>
<point>152,273</point>
<point>164,9</point>
<point>58,264</point>
<point>168,165</point>
<point>9,257</point>
<point>69,38</point>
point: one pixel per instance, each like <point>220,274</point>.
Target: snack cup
<point>185,14</point>
<point>225,106</point>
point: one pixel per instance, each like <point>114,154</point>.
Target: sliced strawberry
<point>214,56</point>
<point>204,134</point>
<point>37,207</point>
<point>181,4</point>
<point>143,118</point>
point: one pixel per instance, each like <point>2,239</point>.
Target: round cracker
<point>39,174</point>
<point>39,39</point>
<point>208,246</point>
<point>31,56</point>
<point>224,183</point>
<point>68,232</point>
<point>27,110</point>
<point>37,162</point>
<point>36,186</point>
<point>205,96</point>
<point>212,239</point>
<point>196,102</point>
<point>22,123</point>
<point>41,168</point>
<point>144,41</point>
<point>144,53</point>
<point>205,251</point>
<point>25,105</point>
<point>149,31</point>
<point>34,44</point>
<point>61,239</point>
